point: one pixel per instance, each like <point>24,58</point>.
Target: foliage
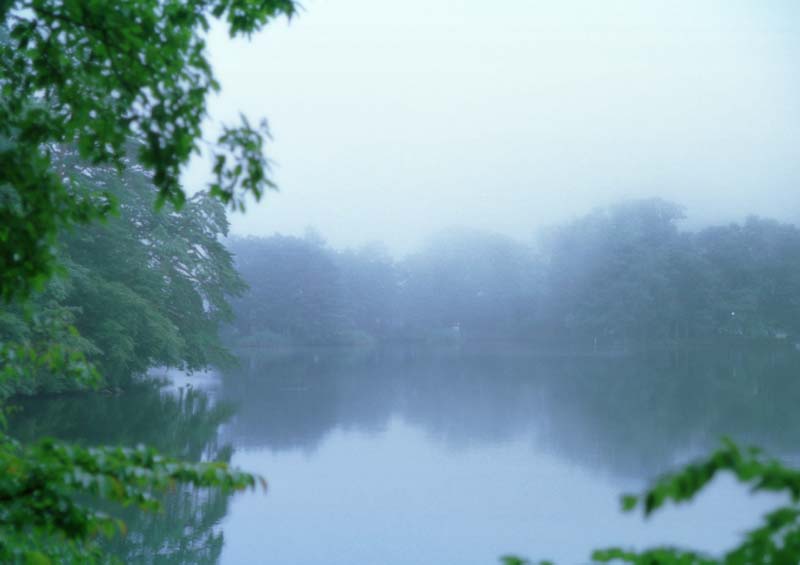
<point>775,541</point>
<point>39,345</point>
<point>122,83</point>
<point>40,518</point>
<point>182,423</point>
<point>98,75</point>
<point>139,289</point>
<point>142,288</point>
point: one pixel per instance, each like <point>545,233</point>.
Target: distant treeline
<point>151,288</point>
<point>619,274</point>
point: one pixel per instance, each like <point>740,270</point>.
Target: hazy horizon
<point>391,121</point>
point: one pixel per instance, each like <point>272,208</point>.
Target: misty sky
<point>394,119</point>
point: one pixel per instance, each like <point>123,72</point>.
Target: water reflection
<point>182,422</point>
<point>459,455</point>
<point>632,415</point>
<point>439,455</point>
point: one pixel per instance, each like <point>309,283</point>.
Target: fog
<point>391,120</point>
<point>524,257</point>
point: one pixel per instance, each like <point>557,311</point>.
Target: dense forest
<point>620,274</point>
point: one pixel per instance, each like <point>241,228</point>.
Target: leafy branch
<point>776,541</point>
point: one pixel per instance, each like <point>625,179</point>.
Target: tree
<point>628,271</point>
<point>368,284</point>
<point>294,289</point>
<point>756,279</point>
<point>99,75</point>
<point>122,82</point>
<point>143,288</point>
<point>481,283</point>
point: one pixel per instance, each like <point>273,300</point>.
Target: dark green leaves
<point>107,79</point>
<point>98,74</point>
<point>658,556</point>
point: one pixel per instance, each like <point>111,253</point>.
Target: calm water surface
<point>442,455</point>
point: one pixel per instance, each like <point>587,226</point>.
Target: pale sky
<point>394,119</point>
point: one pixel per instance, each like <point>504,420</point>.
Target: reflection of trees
<point>292,401</point>
<point>185,532</point>
<point>631,415</point>
<point>642,413</point>
<point>183,424</point>
<point>628,415</point>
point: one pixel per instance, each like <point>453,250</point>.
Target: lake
<point>432,455</point>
